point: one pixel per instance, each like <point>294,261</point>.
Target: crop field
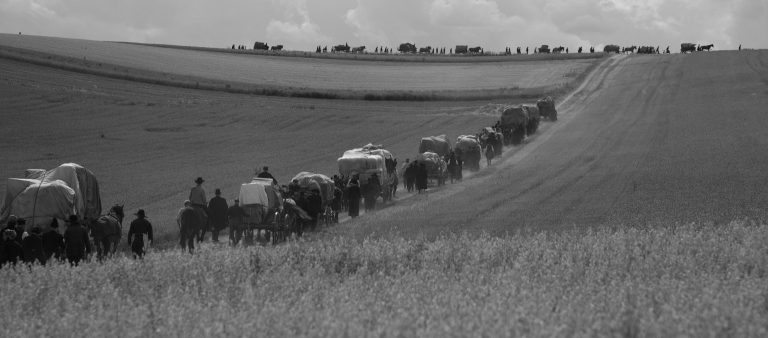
<point>693,281</point>
<point>324,77</point>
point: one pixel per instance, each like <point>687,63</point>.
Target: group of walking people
<point>73,246</point>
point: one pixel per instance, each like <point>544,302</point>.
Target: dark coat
<point>314,205</point>
<point>11,252</point>
<point>33,249</point>
<point>76,243</point>
<point>53,244</point>
<point>235,215</point>
<point>139,228</point>
<point>217,212</point>
<point>353,195</point>
<point>190,220</point>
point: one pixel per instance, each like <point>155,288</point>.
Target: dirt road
<point>649,140</point>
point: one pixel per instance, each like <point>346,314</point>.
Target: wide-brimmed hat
<point>141,213</point>
<point>199,180</point>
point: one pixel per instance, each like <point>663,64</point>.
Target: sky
<point>305,24</point>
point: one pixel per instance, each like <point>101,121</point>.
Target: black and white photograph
<point>384,168</point>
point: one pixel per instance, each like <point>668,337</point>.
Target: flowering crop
<point>672,281</point>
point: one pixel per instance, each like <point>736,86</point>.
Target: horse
<point>277,48</point>
<point>558,49</point>
<point>107,231</point>
<point>629,50</point>
<point>707,47</point>
<point>359,49</point>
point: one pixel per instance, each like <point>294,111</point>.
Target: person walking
<point>372,192</point>
<point>76,243</point>
<point>235,218</point>
<point>32,245</point>
<point>199,203</point>
<point>422,177</point>
<point>217,215</point>
<point>11,251</point>
<point>489,153</point>
<point>139,227</point>
<point>53,242</point>
<point>189,225</point>
<point>353,195</point>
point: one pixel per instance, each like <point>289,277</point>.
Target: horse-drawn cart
<point>437,169</point>
<point>308,181</point>
<point>261,200</point>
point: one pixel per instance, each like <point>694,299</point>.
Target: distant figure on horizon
<point>739,45</point>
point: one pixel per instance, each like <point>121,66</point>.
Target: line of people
<point>73,246</point>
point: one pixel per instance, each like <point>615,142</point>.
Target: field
<point>313,77</point>
<point>692,281</point>
<point>640,212</point>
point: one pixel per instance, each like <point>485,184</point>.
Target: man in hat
<point>235,217</point>
<point>266,174</point>
<point>217,215</point>
<point>139,227</point>
<point>197,194</point>
<point>199,203</point>
<point>76,243</point>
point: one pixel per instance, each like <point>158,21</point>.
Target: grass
<point>335,77</point>
<point>687,280</point>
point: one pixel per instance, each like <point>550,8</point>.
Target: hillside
<point>222,70</point>
<point>647,141</point>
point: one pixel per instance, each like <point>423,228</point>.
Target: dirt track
<point>649,140</point>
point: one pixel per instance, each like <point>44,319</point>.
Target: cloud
<point>296,26</point>
<point>303,24</point>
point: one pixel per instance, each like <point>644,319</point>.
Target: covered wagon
<point>467,149</point>
<point>325,185</point>
<point>547,108</point>
<point>514,124</point>
<point>436,167</point>
<point>534,117</point>
<point>69,189</point>
<point>261,200</point>
<point>436,144</point>
<point>687,47</point>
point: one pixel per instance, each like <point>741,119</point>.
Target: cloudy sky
<point>304,24</point>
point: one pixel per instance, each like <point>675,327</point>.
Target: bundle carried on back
<point>436,144</point>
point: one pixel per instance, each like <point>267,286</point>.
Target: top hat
<point>199,180</point>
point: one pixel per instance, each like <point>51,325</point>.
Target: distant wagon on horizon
<point>461,49</point>
<point>407,48</point>
<point>544,49</point>
<point>687,47</point>
<point>261,45</point>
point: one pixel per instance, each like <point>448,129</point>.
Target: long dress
<point>353,194</point>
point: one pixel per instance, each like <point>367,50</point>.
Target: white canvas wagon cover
<point>261,191</point>
<point>87,199</point>
<point>364,164</point>
<point>38,201</point>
